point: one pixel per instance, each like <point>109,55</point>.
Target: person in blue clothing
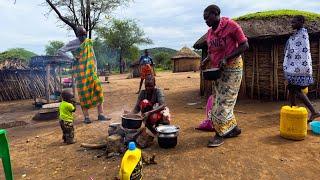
<point>146,67</point>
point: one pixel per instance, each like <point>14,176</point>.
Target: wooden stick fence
<point>24,84</point>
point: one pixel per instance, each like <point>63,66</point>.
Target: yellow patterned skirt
<point>225,91</point>
<point>88,84</point>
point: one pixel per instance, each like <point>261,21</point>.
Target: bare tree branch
<point>71,8</point>
<point>83,14</point>
<point>73,26</point>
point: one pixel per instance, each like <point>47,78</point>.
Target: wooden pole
<point>272,73</point>
<point>276,61</point>
<point>253,69</point>
<point>257,69</point>
<point>318,73</point>
<point>47,81</point>
<point>244,85</point>
<point>60,79</point>
<point>73,81</point>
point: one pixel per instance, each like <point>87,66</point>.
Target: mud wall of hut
<point>135,71</point>
<point>263,74</point>
<point>186,65</point>
<point>24,84</point>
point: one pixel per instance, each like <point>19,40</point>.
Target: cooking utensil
<point>211,74</point>
<point>167,136</point>
<point>131,121</point>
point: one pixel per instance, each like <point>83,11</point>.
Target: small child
<point>66,118</point>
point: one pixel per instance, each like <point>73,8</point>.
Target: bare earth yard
<point>37,151</point>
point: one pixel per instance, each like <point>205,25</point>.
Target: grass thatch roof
<point>13,65</point>
<point>269,24</point>
<point>186,53</point>
<point>310,16</point>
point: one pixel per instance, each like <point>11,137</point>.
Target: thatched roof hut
<point>186,60</point>
<point>18,81</point>
<point>21,81</point>
<point>134,69</point>
<point>267,33</point>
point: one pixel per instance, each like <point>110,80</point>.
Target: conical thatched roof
<point>186,53</point>
<point>271,24</point>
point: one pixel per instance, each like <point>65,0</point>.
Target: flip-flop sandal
<point>103,118</point>
<point>216,141</point>
<point>87,121</point>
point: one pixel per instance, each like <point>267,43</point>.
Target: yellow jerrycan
<point>293,122</point>
<point>131,164</point>
<point>305,90</point>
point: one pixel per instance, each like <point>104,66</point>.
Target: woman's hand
<point>204,63</point>
<point>126,112</point>
<point>222,62</point>
<point>146,115</point>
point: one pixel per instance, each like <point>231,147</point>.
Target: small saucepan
<point>167,136</point>
<point>211,74</point>
<point>131,121</point>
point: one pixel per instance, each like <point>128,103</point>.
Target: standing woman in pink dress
<point>226,42</point>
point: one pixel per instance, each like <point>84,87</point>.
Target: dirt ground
<point>259,153</point>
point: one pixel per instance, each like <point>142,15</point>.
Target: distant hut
<point>21,81</point>
<point>186,60</point>
<point>135,70</point>
<point>267,33</point>
<point>18,81</point>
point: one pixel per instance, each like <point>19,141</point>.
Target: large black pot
<point>211,74</point>
<point>167,136</point>
<point>167,142</point>
<point>131,121</point>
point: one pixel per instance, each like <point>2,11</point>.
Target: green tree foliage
<point>121,35</point>
<point>157,50</point>
<point>133,54</point>
<point>104,54</point>
<point>162,60</point>
<point>17,53</point>
<point>53,46</point>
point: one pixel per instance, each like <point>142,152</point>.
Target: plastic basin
<point>315,127</point>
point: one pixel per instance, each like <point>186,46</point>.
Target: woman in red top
<point>226,42</point>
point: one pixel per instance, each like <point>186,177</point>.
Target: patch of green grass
<point>279,13</point>
<point>160,69</point>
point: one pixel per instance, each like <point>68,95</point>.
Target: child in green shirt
<point>66,110</point>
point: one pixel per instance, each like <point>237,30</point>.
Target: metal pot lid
<point>167,129</point>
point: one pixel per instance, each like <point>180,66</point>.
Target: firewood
<point>93,146</point>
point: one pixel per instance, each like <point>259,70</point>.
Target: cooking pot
<point>211,74</point>
<point>131,121</point>
<point>167,136</point>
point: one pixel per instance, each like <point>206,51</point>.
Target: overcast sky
<point>169,23</point>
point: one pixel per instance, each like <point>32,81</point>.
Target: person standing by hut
<point>85,68</point>
<point>226,42</point>
<point>146,67</point>
<point>297,65</point>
